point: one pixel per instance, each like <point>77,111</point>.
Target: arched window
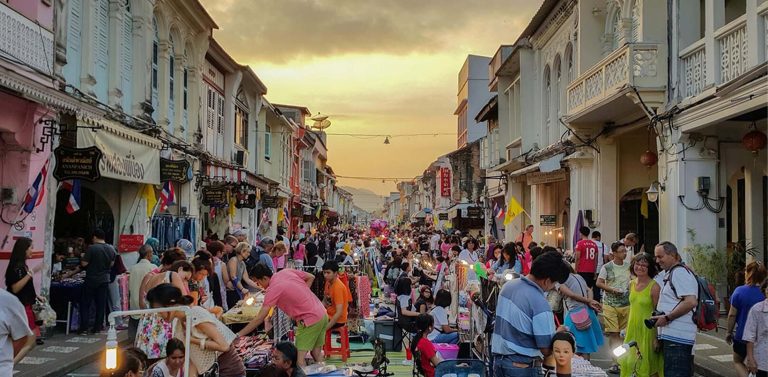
<point>556,96</point>
<point>636,12</point>
<point>547,95</point>
<point>171,86</point>
<point>155,59</point>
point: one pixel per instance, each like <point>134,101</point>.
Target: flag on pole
<point>514,209</point>
<point>148,193</point>
<point>232,201</point>
<point>167,196</point>
<point>498,211</point>
<point>36,192</point>
<point>644,206</point>
<point>73,186</point>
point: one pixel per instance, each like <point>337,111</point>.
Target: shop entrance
<point>94,213</point>
<point>638,215</point>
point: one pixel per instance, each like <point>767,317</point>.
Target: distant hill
<point>365,199</point>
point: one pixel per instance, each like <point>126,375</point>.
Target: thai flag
<point>500,213</point>
<point>73,186</point>
<point>36,192</point>
<point>167,196</point>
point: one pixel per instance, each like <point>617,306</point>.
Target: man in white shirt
<point>630,241</point>
<point>434,242</point>
<point>16,339</point>
<point>136,275</point>
<point>677,299</point>
<point>602,259</point>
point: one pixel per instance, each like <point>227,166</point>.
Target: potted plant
<point>706,261</point>
<point>736,260</point>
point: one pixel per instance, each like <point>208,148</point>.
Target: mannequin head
<point>563,347</point>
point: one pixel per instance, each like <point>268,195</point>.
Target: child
<point>429,358</point>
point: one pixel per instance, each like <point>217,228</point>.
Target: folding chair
<point>460,368</point>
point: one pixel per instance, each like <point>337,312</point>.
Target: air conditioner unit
<point>241,158</point>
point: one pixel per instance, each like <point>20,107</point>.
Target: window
<point>241,127</point>
<point>569,63</point>
<point>547,94</point>
<point>267,142</point>
<point>558,87</point>
<point>155,47</point>
<point>186,88</point>
<point>172,75</point>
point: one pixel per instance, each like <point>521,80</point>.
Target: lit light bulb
<point>508,276</point>
<point>249,301</point>
<point>111,359</point>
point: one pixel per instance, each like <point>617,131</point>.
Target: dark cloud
<point>283,30</point>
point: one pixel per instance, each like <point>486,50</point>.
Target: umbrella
<point>579,224</point>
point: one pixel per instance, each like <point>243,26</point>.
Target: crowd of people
<point>552,303</point>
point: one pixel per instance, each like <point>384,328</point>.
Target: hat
<point>239,233</point>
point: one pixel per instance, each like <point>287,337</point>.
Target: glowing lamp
<point>111,362</point>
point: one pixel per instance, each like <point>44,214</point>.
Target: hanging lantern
<point>648,159</point>
<point>754,140</point>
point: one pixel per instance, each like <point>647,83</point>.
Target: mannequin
<point>563,348</point>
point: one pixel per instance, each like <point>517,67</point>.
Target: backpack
<point>254,258</point>
<point>707,310</point>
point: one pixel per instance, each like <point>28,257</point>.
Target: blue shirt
<point>743,298</point>
<point>524,321</point>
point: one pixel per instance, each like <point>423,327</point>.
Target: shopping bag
<point>153,335</point>
<point>44,313</point>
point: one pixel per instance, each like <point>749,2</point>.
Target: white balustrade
<point>26,42</point>
<point>694,69</point>
<point>732,42</point>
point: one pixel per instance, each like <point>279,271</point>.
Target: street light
<point>653,191</point>
<point>111,348</point>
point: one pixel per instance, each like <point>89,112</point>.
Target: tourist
<point>643,298</point>
<point>755,330</point>
<point>170,257</point>
<point>507,261</point>
<point>630,241</point>
<point>580,314</point>
<point>519,348</point>
<point>678,298</point>
<point>136,274</point>
<point>299,254</point>
<point>614,279</point>
<point>18,280</point>
<point>603,257</point>
<point>585,255</point>
<point>443,332</point>
<point>173,364</point>
<point>220,275</point>
<point>742,300</point>
<point>16,338</point>
<point>97,262</point>
<point>209,347</point>
<point>240,283</point>
<point>288,290</point>
<point>337,296</point>
<point>526,240</point>
<point>198,285</point>
<point>428,355</point>
<point>285,357</point>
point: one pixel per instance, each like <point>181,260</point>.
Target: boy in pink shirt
<point>289,291</point>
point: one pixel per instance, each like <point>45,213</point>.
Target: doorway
<point>638,215</point>
<point>94,213</point>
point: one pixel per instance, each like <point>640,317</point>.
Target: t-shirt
<point>100,257</point>
<point>299,253</point>
<point>602,251</point>
<point>756,331</point>
<point>682,329</point>
<point>616,276</point>
<point>337,293</point>
<point>587,256</point>
<point>13,326</point>
<point>576,284</point>
<point>743,298</point>
<point>434,242</point>
<point>528,322</point>
<point>440,314</point>
<point>427,351</point>
<point>27,293</point>
<point>290,293</point>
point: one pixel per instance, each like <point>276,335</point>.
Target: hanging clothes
<point>169,229</point>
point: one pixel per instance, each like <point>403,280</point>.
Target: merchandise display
<point>244,311</point>
<point>255,351</point>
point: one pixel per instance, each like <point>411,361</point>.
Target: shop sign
<point>442,216</point>
<point>445,182</point>
<point>77,163</point>
<point>474,212</point>
<point>245,201</point>
<point>296,212</point>
<point>174,170</point>
<point>130,242</point>
<point>214,196</point>
<point>547,220</point>
<point>539,178</point>
<point>124,159</point>
<point>269,201</point>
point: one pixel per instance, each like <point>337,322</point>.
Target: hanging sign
<point>214,196</point>
<point>245,201</point>
<point>125,158</point>
<point>547,220</point>
<point>445,182</point>
<point>474,212</point>
<point>442,216</point>
<point>129,242</point>
<point>77,163</point>
<point>295,212</point>
<point>539,178</point>
<point>174,170</point>
<point>269,201</point>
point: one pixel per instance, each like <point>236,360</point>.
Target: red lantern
<point>754,141</point>
<point>648,159</point>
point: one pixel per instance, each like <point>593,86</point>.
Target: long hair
<point>423,322</point>
<point>19,254</point>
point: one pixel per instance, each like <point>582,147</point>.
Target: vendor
<point>337,296</point>
<point>284,357</point>
<point>289,291</point>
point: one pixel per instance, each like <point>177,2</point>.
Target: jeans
<point>114,301</point>
<point>678,359</point>
<point>96,294</point>
<point>502,367</point>
<point>450,338</point>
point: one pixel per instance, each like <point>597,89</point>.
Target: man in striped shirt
<point>525,323</point>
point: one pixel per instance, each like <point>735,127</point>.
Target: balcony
<point>733,54</point>
<point>498,59</point>
<point>24,41</point>
<point>638,65</point>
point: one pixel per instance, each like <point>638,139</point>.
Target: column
<point>88,40</point>
<point>607,190</point>
<point>163,80</point>
<point>714,17</point>
<point>755,37</point>
<point>194,104</point>
<point>178,87</point>
<point>114,82</point>
<point>143,35</point>
<point>753,218</point>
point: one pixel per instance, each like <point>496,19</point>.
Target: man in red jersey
<point>586,257</point>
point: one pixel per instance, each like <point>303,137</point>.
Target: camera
<point>649,322</point>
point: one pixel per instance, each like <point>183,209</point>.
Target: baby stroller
<point>379,363</point>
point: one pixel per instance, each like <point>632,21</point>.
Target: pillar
<point>88,41</point>
<point>163,87</point>
<point>714,18</point>
<point>178,87</point>
<point>143,34</point>
<point>114,82</point>
<point>753,218</point>
<point>607,190</point>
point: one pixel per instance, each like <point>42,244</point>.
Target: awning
<point>525,170</point>
<point>232,175</point>
<point>420,215</point>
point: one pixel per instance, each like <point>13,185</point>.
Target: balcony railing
<point>731,58</point>
<point>634,64</point>
<point>26,42</point>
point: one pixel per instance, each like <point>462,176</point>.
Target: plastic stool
<point>343,350</point>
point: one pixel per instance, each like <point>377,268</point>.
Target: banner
<point>123,159</point>
<point>445,182</point>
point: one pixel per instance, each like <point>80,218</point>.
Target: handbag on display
<point>152,335</point>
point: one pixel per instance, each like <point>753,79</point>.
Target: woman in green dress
<point>643,297</point>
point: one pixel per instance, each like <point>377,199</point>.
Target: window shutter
<point>71,70</point>
<point>127,60</point>
<point>101,50</point>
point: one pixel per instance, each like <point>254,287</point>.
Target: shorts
<point>311,337</point>
<point>615,318</point>
<point>740,349</point>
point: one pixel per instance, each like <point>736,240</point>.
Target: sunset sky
<point>381,67</point>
